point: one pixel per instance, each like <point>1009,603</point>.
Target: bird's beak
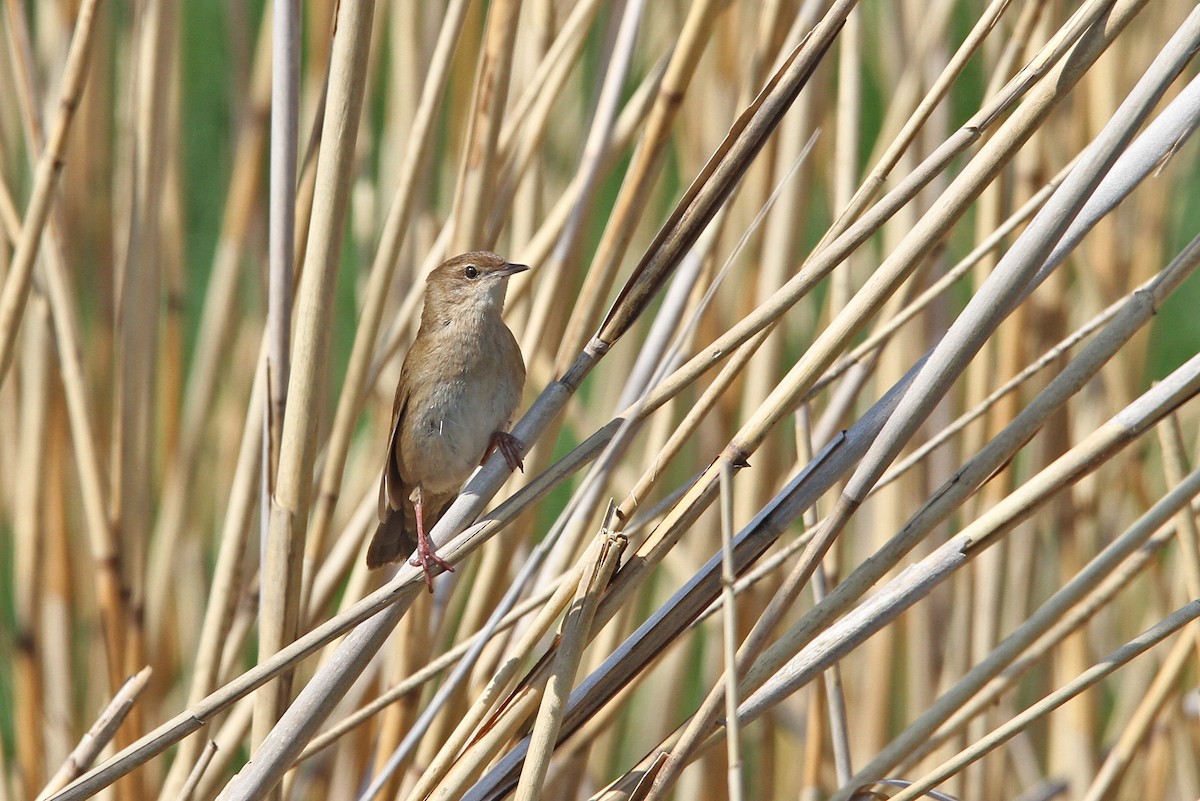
<point>511,269</point>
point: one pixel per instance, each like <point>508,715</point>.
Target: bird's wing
<point>391,486</point>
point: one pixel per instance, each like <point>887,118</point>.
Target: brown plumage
<point>458,389</point>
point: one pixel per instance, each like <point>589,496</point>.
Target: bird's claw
<point>426,559</point>
<point>510,448</point>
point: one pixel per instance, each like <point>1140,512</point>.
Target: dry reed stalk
<point>1175,465</point>
<point>188,791</point>
<point>57,612</point>
<point>846,144</point>
<point>1158,693</point>
<point>1163,286</point>
<point>227,580</point>
<point>647,160</point>
<point>822,262</point>
<point>1050,621</point>
<point>138,324</point>
<point>1088,678</point>
<point>477,178</point>
<point>284,548</point>
<point>99,735</point>
<point>1099,597</point>
<point>733,736</point>
<point>50,162</point>
<point>914,120</point>
<point>527,121</point>
<point>648,641</point>
<point>30,556</point>
<point>1166,680</point>
<point>213,333</point>
<point>104,551</point>
<point>1138,310</point>
<point>919,578</point>
<point>598,568</point>
<point>920,240</point>
<point>285,113</point>
<point>471,719</point>
<point>1019,265</point>
<point>597,151</point>
<point>542,601</point>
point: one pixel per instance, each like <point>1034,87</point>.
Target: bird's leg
<point>510,448</point>
<point>425,557</point>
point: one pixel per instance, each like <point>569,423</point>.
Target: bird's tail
<point>394,539</point>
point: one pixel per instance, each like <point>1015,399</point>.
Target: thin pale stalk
<point>212,337</point>
<point>919,579</point>
<point>1175,465</point>
<point>477,178</point>
<point>930,229</point>
<point>1048,358</point>
<point>1047,615</point>
<point>1101,596</point>
<point>1088,679</point>
<point>1137,311</point>
<point>452,684</point>
<point>493,693</point>
<point>846,138</point>
<point>529,120</point>
<point>729,641</point>
<point>285,124</point>
<point>640,649</point>
<point>289,503</point>
<point>231,736</point>
<point>884,333</point>
<point>109,587</point>
<point>573,636</point>
<point>542,600</point>
<point>891,156</point>
<point>480,753</point>
<point>49,169</point>
<point>647,160</point>
<point>1056,79</point>
<point>1161,690</point>
<point>29,524</point>
<point>228,576</point>
<point>596,152</point>
<point>193,780</point>
<point>99,735</point>
<point>941,498</point>
<point>835,698</point>
<point>139,324</point>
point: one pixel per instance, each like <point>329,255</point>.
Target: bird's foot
<point>510,448</point>
<point>426,559</point>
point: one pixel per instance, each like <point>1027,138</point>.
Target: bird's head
<point>473,281</point>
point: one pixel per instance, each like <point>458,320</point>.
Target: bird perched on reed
<point>458,389</point>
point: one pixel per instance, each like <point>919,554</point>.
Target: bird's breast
<point>452,411</point>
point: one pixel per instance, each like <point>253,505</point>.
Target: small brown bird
<point>459,387</point>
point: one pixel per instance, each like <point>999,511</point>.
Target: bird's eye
<point>470,271</point>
